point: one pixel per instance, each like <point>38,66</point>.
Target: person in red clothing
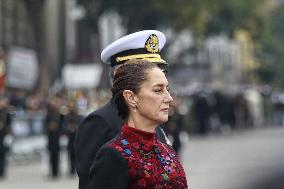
<point>103,124</point>
<point>136,158</point>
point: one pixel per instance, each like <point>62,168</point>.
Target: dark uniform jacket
<point>95,130</point>
<point>136,159</point>
<point>53,123</point>
<point>71,122</point>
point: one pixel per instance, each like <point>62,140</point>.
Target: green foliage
<point>266,73</point>
<point>209,17</point>
<point>206,17</point>
<point>136,15</point>
<point>93,9</point>
<point>233,15</point>
<point>271,46</point>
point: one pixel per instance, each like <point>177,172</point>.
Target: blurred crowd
<point>202,112</point>
<point>86,101</point>
<point>54,116</point>
<point>221,112</point>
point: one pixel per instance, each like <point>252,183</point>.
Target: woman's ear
<point>130,98</point>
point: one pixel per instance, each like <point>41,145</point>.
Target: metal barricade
<point>28,137</point>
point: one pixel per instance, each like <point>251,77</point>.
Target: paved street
<point>237,161</point>
<point>232,161</point>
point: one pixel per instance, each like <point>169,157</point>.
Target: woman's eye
<point>158,90</point>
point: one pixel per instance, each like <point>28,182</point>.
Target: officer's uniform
<point>104,124</point>
<point>71,122</point>
<point>54,123</point>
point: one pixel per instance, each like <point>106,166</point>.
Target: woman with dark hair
<point>135,158</point>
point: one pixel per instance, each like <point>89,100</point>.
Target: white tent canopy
<point>77,76</point>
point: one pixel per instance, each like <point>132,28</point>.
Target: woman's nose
<point>168,98</point>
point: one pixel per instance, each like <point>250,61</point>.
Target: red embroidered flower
<point>136,145</point>
<point>119,148</point>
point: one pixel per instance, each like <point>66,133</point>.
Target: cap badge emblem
<point>152,44</point>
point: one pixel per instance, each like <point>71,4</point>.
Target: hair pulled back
<point>129,76</point>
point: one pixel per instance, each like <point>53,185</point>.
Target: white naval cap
<point>145,45</point>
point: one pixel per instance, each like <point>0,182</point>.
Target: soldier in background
<point>54,123</point>
<point>5,120</point>
<point>71,123</point>
<point>201,111</point>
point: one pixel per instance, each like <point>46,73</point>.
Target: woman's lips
<point>165,109</point>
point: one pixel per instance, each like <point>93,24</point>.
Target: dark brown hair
<point>129,76</point>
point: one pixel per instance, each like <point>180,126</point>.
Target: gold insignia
<point>152,44</point>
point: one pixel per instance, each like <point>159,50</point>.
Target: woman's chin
<point>164,119</point>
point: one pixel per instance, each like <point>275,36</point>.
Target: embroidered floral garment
<point>148,162</point>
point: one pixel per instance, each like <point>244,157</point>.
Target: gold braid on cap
<point>149,57</point>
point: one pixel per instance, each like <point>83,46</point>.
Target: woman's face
<point>153,98</point>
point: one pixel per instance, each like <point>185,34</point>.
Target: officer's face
<point>153,98</point>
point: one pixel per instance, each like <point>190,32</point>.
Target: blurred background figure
<point>255,106</point>
<point>224,108</point>
<point>82,102</point>
<point>201,109</point>
<point>242,113</point>
<point>5,134</point>
<point>71,122</point>
<point>54,129</point>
